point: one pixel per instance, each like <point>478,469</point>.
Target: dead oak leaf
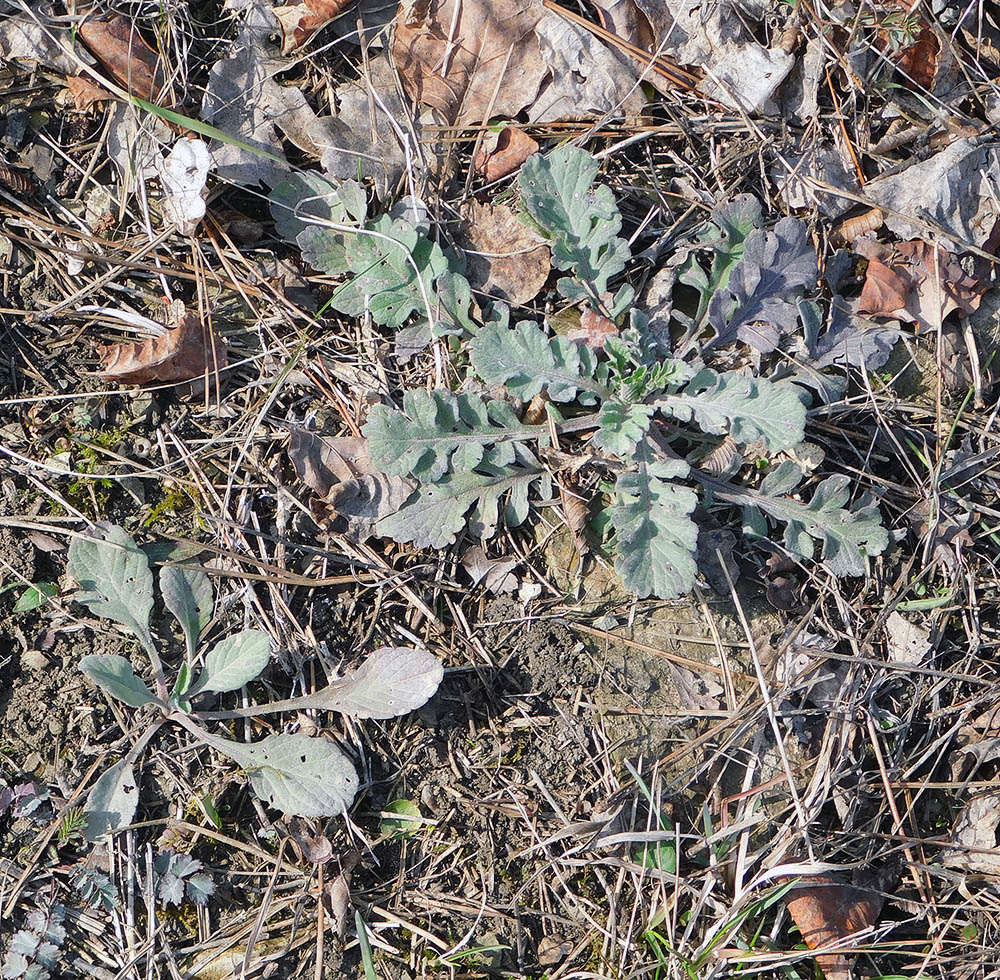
<point>503,153</point>
<point>181,353</point>
<point>469,58</point>
<point>827,911</point>
<point>86,93</point>
<point>594,329</point>
<point>917,282</point>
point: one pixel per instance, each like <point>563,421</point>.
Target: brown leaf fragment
<point>469,59</point>
<point>496,574</point>
<point>827,911</point>
<point>576,512</point>
<point>505,259</point>
<point>181,353</point>
<point>917,282</point>
<point>300,21</point>
<point>974,837</point>
<point>918,63</point>
<point>117,44</point>
<point>86,93</point>
<point>341,472</point>
<point>594,329</point>
<point>503,154</point>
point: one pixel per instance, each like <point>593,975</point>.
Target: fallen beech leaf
<point>123,51</point>
<point>300,21</point>
<point>86,93</point>
<point>502,155</point>
<point>594,329</point>
<point>917,282</point>
<point>505,259</point>
<point>183,174</point>
<point>467,58</point>
<point>826,911</point>
<point>181,353</point>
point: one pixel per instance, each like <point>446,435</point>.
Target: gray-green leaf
<point>621,426</point>
<point>581,222</point>
<point>187,593</point>
<point>435,514</point>
<point>233,662</point>
<point>297,774</point>
<point>526,361</point>
<point>655,537</point>
<point>115,675</point>
<point>115,580</point>
<point>745,408</point>
<point>307,198</point>
<point>437,430</point>
<point>112,802</point>
<point>391,682</point>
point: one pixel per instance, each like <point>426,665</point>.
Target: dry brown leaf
<point>917,282</point>
<point>85,92</point>
<point>124,53</point>
<point>503,154</point>
<point>505,259</point>
<point>594,329</point>
<point>300,21</point>
<point>468,58</point>
<point>826,911</point>
<point>496,574</point>
<point>919,62</point>
<point>340,470</point>
<point>975,836</point>
<point>181,353</point>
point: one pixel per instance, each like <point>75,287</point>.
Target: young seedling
<point>298,774</point>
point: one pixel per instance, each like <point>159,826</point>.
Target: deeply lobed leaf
<point>655,538</point>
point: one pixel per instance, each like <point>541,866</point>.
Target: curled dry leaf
<point>300,21</point>
<point>86,93</point>
<point>183,174</point>
<point>185,351</point>
<point>917,282</point>
<point>505,259</point>
<point>502,153</point>
<point>496,574</point>
<point>340,471</point>
<point>827,911</point>
<point>125,55</point>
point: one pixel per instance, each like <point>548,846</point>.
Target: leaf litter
<point>661,432</point>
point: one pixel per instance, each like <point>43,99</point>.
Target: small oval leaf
<point>112,802</point>
<point>187,593</point>
<point>114,675</point>
<point>233,662</point>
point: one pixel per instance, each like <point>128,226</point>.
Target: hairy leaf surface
<point>115,580</point>
<point>187,593</point>
<point>435,514</point>
<point>112,802</point>
<point>745,408</point>
<point>757,306</point>
<point>654,535</point>
<point>581,222</point>
<point>391,682</point>
<point>115,675</point>
<point>233,662</point>
<point>527,361</point>
<point>438,430</point>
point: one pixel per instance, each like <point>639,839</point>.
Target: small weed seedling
<point>473,459</point>
<point>295,773</point>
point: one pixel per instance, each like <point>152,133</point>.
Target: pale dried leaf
<point>494,573</point>
<point>41,41</point>
<point>505,259</point>
<point>183,174</point>
<point>906,642</point>
<point>455,58</point>
<point>974,835</point>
